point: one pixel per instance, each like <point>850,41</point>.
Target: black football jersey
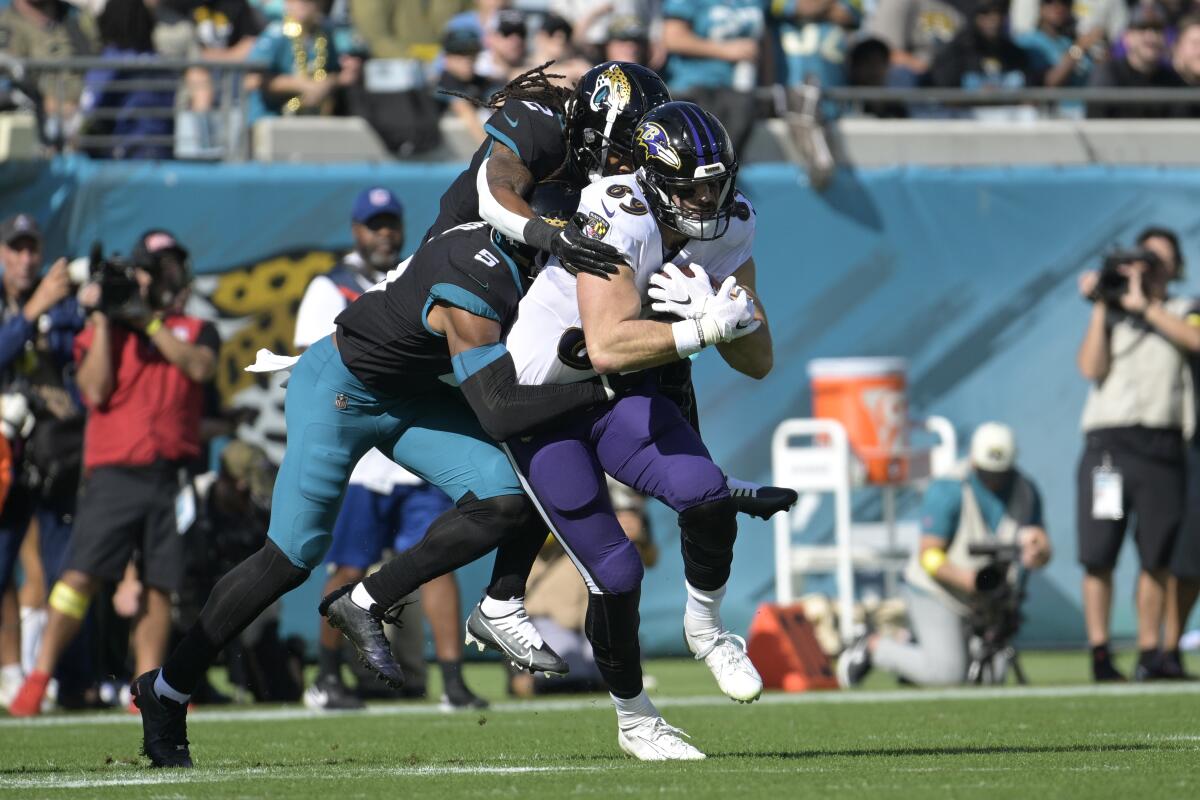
<point>529,129</point>
<point>383,336</point>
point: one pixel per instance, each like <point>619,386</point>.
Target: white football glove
<point>677,293</point>
<point>728,314</point>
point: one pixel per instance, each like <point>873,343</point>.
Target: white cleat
<point>726,657</point>
<point>655,740</point>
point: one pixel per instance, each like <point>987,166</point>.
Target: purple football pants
<point>643,441</point>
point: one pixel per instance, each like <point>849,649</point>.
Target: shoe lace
<point>392,615</point>
<point>667,734</point>
<point>730,650</point>
<point>521,628</point>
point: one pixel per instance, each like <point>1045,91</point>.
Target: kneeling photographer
<point>953,593</point>
<point>1138,415</point>
<point>143,364</point>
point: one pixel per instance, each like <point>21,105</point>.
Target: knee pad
<point>712,525</point>
<point>69,601</point>
<point>504,514</point>
<point>620,571</point>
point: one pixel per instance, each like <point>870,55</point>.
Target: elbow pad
<point>491,211</point>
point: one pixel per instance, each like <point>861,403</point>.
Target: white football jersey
<point>547,337</point>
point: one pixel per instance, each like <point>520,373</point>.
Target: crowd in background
<point>402,63</point>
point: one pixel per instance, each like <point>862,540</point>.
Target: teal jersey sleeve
<point>940,509</point>
<point>533,132</point>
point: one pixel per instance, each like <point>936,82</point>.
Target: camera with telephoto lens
<point>120,295</point>
<point>1113,284</point>
<point>995,617</point>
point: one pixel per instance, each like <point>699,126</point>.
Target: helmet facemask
<point>699,207</point>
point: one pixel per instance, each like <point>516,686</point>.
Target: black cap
<point>153,242</point>
<point>553,23</point>
<point>627,28</point>
<point>509,21</point>
<point>20,226</point>
<point>462,40</point>
<point>1147,16</point>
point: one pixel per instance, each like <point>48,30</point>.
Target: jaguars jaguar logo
<point>656,144</point>
<point>613,91</point>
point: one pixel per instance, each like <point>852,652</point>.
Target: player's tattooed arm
<point>753,354</point>
<point>488,378</point>
<point>617,340</point>
<point>509,182</point>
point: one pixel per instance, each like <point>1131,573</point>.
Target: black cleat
<point>164,724</point>
<point>765,501</point>
<point>328,693</point>
<point>364,630</point>
<point>515,637</point>
<point>458,697</point>
<point>1103,670</point>
<point>854,664</point>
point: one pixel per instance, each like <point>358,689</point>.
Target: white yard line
<point>706,701</point>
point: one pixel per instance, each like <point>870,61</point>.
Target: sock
<point>362,598</point>
<point>634,710</point>
<point>329,662</point>
<point>746,486</point>
<point>451,674</point>
<point>704,608</point>
<point>164,691</point>
<point>11,673</point>
<point>1148,657</point>
<point>494,609</point>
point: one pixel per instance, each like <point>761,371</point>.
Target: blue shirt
<point>1045,51</point>
<point>811,50</point>
<point>942,507</point>
<point>717,20</point>
<point>275,48</point>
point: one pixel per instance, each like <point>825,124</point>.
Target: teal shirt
<point>1045,51</point>
<point>274,48</point>
<point>719,20</point>
<point>942,507</point>
<point>809,50</point>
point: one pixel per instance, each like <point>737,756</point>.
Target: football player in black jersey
<point>385,379</point>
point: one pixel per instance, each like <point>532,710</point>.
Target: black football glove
<point>575,250</point>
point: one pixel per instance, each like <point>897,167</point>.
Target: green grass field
<point>1060,738</point>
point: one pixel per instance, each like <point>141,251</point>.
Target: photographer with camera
<point>143,364</point>
<point>40,415</point>
<point>1138,416</point>
<point>950,587</point>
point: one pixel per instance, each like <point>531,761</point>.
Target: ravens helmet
<point>687,169</point>
<point>553,201</point>
<point>602,112</point>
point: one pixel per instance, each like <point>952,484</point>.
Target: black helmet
<point>680,149</point>
<point>602,111</point>
<point>553,201</point>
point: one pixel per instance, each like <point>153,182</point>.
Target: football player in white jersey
<point>683,227</point>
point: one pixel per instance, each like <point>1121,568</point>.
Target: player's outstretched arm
<point>488,378</point>
<point>751,355</point>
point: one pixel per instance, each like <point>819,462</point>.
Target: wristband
<point>153,326</point>
<point>688,337</point>
<point>539,233</point>
<point>932,559</point>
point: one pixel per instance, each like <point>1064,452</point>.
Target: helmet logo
<point>656,144</point>
<point>613,91</point>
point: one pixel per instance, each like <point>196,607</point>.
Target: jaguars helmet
<point>687,169</point>
<point>602,112</point>
<point>555,202</point>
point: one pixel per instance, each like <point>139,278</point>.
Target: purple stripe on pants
<point>641,440</point>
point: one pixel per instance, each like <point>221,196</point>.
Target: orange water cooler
<point>869,397</point>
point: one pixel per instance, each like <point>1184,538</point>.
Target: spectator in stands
<point>126,34</point>
<point>385,505</point>
<point>142,369</point>
<point>553,42</point>
<point>868,63</point>
<point>714,48</point>
<point>42,419</point>
<point>305,69</point>
<point>990,503</point>
<point>983,56</point>
<point>461,45</point>
<point>915,30</point>
<point>557,600</point>
<point>1104,19</point>
<point>1138,414</point>
<point>212,30</point>
<point>1055,49</point>
<point>1141,67</point>
<point>405,29</point>
<point>628,39</point>
<point>504,46</point>
<point>812,40</point>
<point>1186,56</point>
<point>51,29</point>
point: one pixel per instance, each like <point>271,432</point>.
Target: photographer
<point>1138,415</point>
<point>38,403</point>
<point>142,368</point>
<point>991,504</point>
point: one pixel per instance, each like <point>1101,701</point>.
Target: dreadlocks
<point>534,85</point>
